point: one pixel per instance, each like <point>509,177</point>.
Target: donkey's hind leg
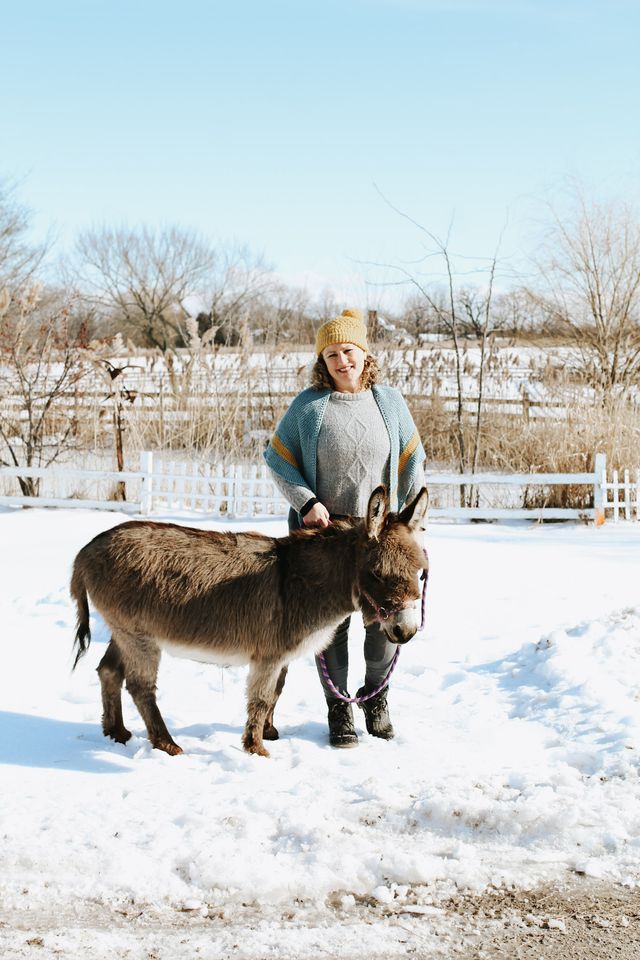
<point>269,732</point>
<point>262,683</point>
<point>141,658</point>
<point>111,673</point>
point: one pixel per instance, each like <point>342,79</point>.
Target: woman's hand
<point>318,516</point>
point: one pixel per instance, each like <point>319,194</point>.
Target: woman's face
<point>345,363</point>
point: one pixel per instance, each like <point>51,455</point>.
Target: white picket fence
<point>162,486</point>
<point>158,486</point>
<point>625,495</point>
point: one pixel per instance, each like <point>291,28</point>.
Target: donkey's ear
<point>415,515</point>
<point>376,512</point>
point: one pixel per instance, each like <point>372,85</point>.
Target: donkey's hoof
<point>251,746</point>
<point>168,746</point>
<point>270,732</point>
<point>121,735</point>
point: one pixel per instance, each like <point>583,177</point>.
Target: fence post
<point>146,483</point>
<point>599,492</point>
<point>627,496</point>
<point>237,490</point>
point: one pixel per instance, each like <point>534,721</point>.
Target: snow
<point>516,755</point>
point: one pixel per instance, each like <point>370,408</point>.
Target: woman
<point>338,440</point>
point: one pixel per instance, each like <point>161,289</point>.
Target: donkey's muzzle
<point>402,630</point>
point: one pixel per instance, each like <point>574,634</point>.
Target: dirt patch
<point>579,921</point>
<point>583,921</point>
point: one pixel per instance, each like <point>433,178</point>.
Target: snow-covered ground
<point>516,758</point>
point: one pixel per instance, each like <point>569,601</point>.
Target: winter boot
<point>342,732</point>
<point>376,714</point>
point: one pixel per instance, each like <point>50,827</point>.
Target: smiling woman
<point>338,440</point>
<point>345,363</point>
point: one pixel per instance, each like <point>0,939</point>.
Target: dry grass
<point>513,444</point>
<point>214,405</point>
<point>223,406</point>
<point>520,436</point>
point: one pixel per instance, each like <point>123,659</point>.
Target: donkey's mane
<point>326,533</point>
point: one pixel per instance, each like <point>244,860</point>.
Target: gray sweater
<point>353,457</point>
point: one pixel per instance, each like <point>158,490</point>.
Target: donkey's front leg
<point>261,695</point>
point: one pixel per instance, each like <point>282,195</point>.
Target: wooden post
<point>146,483</point>
<point>599,490</point>
<point>118,429</point>
<point>373,331</point>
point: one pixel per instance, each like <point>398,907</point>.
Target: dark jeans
<point>378,649</point>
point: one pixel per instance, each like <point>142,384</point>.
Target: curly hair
<point>321,378</point>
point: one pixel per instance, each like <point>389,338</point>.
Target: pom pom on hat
<point>347,328</point>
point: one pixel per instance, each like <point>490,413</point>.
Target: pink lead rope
<point>424,576</point>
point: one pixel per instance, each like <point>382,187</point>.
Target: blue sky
<point>279,123</point>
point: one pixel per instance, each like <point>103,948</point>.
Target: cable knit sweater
<point>338,447</point>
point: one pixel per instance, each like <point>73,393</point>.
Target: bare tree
<point>283,316</point>
<point>477,307</point>
<point>590,290</point>
<point>519,315</point>
<point>459,310</point>
<point>240,283</point>
<point>418,318</point>
<point>143,276</point>
<point>41,370</point>
<point>19,258</point>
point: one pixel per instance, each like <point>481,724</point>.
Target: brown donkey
<point>234,598</point>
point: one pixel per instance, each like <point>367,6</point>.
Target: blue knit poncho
<point>292,450</point>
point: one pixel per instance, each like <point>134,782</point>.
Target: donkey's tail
<point>79,594</point>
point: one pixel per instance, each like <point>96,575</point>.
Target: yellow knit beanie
<point>347,328</point>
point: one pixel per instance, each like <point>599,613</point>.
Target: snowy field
<point>516,759</point>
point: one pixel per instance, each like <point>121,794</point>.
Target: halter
<point>381,614</point>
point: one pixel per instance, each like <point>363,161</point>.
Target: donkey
<point>236,598</point>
